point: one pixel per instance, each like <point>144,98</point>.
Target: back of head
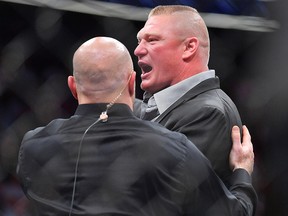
<point>102,66</point>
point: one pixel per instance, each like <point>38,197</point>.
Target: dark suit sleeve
<point>207,194</point>
<point>22,168</point>
<point>241,187</point>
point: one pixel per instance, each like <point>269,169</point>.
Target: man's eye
<point>152,39</point>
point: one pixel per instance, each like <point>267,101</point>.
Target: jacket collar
<point>117,109</point>
<point>209,84</point>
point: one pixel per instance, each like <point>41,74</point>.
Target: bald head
<point>101,68</point>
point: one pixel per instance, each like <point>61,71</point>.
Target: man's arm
<point>241,161</point>
<point>215,198</point>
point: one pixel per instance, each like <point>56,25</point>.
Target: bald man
<point>105,161</point>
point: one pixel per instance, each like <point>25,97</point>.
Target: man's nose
<point>140,50</point>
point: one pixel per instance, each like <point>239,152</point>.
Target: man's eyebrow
<point>139,35</point>
<point>145,35</point>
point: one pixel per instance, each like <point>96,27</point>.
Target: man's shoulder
<point>212,98</point>
<point>154,139</point>
<point>50,128</point>
<point>146,129</point>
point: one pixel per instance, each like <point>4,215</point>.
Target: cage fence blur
<point>37,42</point>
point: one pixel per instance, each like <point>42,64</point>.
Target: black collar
<point>117,109</point>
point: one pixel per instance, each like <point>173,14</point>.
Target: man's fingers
<point>236,137</point>
<point>246,137</point>
<point>241,155</point>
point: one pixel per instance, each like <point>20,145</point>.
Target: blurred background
<point>249,51</point>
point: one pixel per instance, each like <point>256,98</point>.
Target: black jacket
<point>206,115</point>
<point>126,167</point>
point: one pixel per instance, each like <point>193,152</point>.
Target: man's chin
<point>144,86</point>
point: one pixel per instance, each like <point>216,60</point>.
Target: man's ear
<point>191,46</point>
<point>131,84</point>
<point>72,86</point>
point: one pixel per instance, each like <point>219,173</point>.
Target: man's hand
<point>241,155</point>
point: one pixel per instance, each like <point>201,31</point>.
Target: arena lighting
<point>123,11</point>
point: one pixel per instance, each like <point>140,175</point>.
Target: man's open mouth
<point>145,67</point>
